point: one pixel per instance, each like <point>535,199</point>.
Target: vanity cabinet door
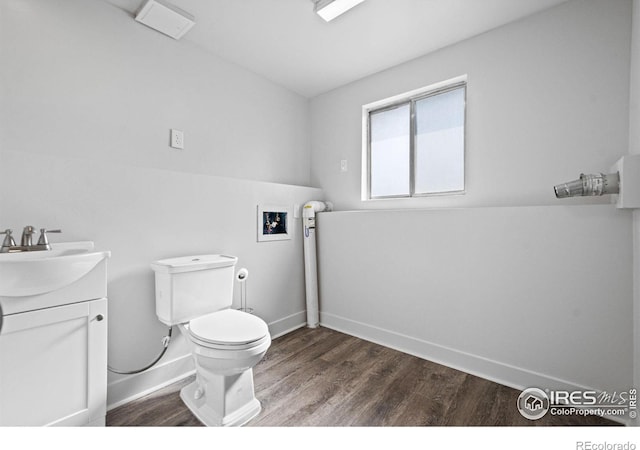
<point>53,366</point>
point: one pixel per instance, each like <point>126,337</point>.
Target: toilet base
<point>222,401</point>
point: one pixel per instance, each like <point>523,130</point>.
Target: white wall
<point>87,98</point>
<point>527,296</point>
<point>491,286</point>
<point>634,148</point>
<point>547,99</point>
<point>82,78</point>
<point>142,215</point>
<point>634,103</point>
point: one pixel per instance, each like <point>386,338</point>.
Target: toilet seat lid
<point>228,327</point>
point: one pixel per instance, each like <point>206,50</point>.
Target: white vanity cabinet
<point>53,337</point>
<point>53,366</point>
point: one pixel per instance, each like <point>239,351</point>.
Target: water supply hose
<point>165,344</point>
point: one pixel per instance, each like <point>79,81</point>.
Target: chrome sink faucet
<point>26,242</point>
<point>27,236</point>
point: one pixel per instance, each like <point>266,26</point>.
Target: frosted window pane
<point>440,143</point>
<point>390,152</point>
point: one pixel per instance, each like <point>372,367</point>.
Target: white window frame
<point>407,98</point>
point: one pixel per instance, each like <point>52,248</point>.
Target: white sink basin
<point>39,272</point>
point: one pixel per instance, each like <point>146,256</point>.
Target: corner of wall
<point>634,148</point>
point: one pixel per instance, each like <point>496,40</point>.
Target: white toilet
<point>195,293</point>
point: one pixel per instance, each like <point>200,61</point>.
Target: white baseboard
<point>132,387</point>
<point>505,374</point>
<point>135,386</point>
<point>287,324</point>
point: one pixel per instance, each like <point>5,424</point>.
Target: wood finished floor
<point>320,377</point>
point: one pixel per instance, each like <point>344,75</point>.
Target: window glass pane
<point>390,152</point>
<point>440,143</point>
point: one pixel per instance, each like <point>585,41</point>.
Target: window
<point>414,143</point>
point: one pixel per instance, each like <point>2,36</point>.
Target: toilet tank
<point>191,286</point>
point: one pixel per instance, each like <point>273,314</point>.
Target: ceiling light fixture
<point>330,9</point>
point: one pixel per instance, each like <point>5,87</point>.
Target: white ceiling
<point>284,41</point>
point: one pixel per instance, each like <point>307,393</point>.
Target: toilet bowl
<point>195,293</point>
<point>225,346</point>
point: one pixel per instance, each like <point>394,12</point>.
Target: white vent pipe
<point>309,211</point>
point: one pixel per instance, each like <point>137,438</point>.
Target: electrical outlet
<point>343,165</point>
<point>177,139</point>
